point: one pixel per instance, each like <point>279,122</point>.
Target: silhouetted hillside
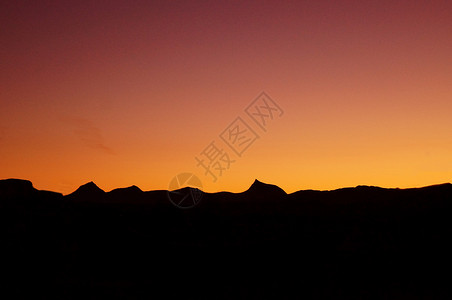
<point>363,242</point>
<point>88,192</point>
<point>263,190</point>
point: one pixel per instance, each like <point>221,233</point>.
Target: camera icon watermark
<point>185,190</point>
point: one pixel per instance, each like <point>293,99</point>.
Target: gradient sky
<point>129,92</point>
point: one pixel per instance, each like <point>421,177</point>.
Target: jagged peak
<point>87,189</point>
<point>90,185</point>
<point>261,187</point>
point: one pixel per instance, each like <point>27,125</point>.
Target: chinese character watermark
<point>215,160</point>
<point>263,110</point>
<point>239,136</point>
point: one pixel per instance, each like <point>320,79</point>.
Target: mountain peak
<point>127,194</point>
<point>90,186</point>
<point>265,189</point>
<point>258,184</point>
<point>134,188</point>
<point>88,191</point>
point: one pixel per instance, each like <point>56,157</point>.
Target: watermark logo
<point>263,110</point>
<point>239,136</point>
<point>214,161</point>
<point>185,190</point>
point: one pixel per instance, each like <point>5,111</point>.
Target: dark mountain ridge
<point>361,242</point>
<point>17,188</point>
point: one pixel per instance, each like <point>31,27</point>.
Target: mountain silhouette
<point>125,191</point>
<point>16,188</point>
<point>24,191</point>
<point>356,242</point>
<point>132,194</point>
<point>260,189</point>
<point>87,192</point>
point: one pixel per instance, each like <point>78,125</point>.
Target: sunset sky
<point>130,92</point>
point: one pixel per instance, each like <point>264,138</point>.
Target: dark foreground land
<point>353,243</point>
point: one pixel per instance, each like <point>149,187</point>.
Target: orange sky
<point>129,93</point>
